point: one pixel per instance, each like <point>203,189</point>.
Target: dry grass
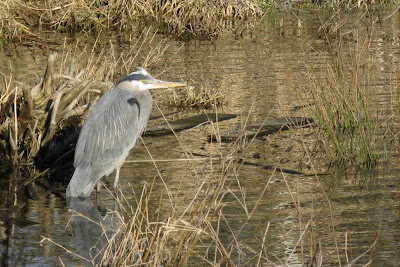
<point>194,18</point>
<point>174,238</point>
<point>22,20</point>
<point>205,19</point>
<point>175,227</point>
<point>343,5</point>
<point>360,4</point>
<point>191,235</point>
<point>19,17</point>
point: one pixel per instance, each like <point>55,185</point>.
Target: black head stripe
<point>133,101</point>
<point>135,77</point>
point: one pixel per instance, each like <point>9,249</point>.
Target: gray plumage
<point>112,129</point>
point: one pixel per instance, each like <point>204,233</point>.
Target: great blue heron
<point>112,129</point>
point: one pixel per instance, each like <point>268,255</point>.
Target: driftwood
<point>187,123</point>
<point>263,128</point>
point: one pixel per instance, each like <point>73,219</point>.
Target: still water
<point>261,75</point>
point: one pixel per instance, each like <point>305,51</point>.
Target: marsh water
<point>263,74</point>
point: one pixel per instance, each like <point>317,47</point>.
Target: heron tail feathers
<point>81,184</point>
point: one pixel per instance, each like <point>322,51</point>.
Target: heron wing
<point>110,130</point>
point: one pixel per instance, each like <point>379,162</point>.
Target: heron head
<point>142,80</point>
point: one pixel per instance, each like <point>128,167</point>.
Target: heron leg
<point>98,187</point>
<point>116,177</point>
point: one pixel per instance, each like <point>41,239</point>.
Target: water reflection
<point>92,227</point>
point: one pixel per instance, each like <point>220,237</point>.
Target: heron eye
<point>143,81</point>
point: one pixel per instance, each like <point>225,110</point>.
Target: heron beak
<point>164,84</point>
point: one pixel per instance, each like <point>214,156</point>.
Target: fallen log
<point>264,128</point>
<point>263,166</point>
<point>269,167</point>
<point>187,123</point>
